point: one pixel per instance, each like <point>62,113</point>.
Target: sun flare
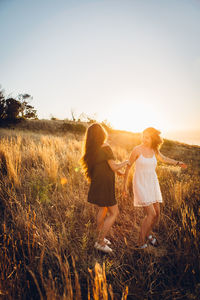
<point>136,117</point>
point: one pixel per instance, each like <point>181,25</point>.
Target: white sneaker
<point>103,248</point>
<point>107,242</point>
<point>152,240</point>
<point>141,247</point>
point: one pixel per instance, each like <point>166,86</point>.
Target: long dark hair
<point>156,140</point>
<point>94,139</point>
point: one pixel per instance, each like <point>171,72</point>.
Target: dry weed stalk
<point>11,152</point>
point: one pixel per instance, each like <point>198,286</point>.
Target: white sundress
<point>146,187</point>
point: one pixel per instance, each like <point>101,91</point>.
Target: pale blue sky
<point>135,63</point>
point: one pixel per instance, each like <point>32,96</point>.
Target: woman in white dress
<point>146,187</point>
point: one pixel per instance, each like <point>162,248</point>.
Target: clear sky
<point>135,63</point>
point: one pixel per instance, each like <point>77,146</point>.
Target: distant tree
<point>92,119</point>
<point>2,105</point>
<point>106,123</point>
<point>86,118</point>
<point>12,109</point>
<point>53,118</point>
<point>26,111</point>
<point>82,117</point>
<point>73,115</point>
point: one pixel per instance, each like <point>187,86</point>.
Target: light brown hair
<point>156,140</point>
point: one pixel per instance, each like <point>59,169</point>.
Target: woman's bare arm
<point>116,166</point>
<point>113,165</point>
<point>171,161</point>
<point>134,155</point>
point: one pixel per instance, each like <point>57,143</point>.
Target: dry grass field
<point>47,228</point>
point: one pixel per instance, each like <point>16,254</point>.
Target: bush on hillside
<point>74,127</point>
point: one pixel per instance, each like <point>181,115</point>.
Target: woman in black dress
<point>99,167</point>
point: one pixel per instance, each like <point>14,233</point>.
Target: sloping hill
<point>47,228</point>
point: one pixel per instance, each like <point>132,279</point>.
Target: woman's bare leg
<point>100,217</point>
<point>157,210</point>
<point>147,223</point>
<point>157,217</point>
<point>108,222</point>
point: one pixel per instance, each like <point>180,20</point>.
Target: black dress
<point>102,187</point>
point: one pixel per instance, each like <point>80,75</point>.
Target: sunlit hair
<point>156,140</point>
<point>94,139</point>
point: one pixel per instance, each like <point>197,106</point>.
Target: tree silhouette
<point>2,105</point>
<point>12,110</point>
<point>27,111</point>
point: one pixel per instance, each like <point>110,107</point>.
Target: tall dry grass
<point>48,228</point>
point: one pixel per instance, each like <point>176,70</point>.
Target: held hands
<point>124,191</point>
<point>127,162</point>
